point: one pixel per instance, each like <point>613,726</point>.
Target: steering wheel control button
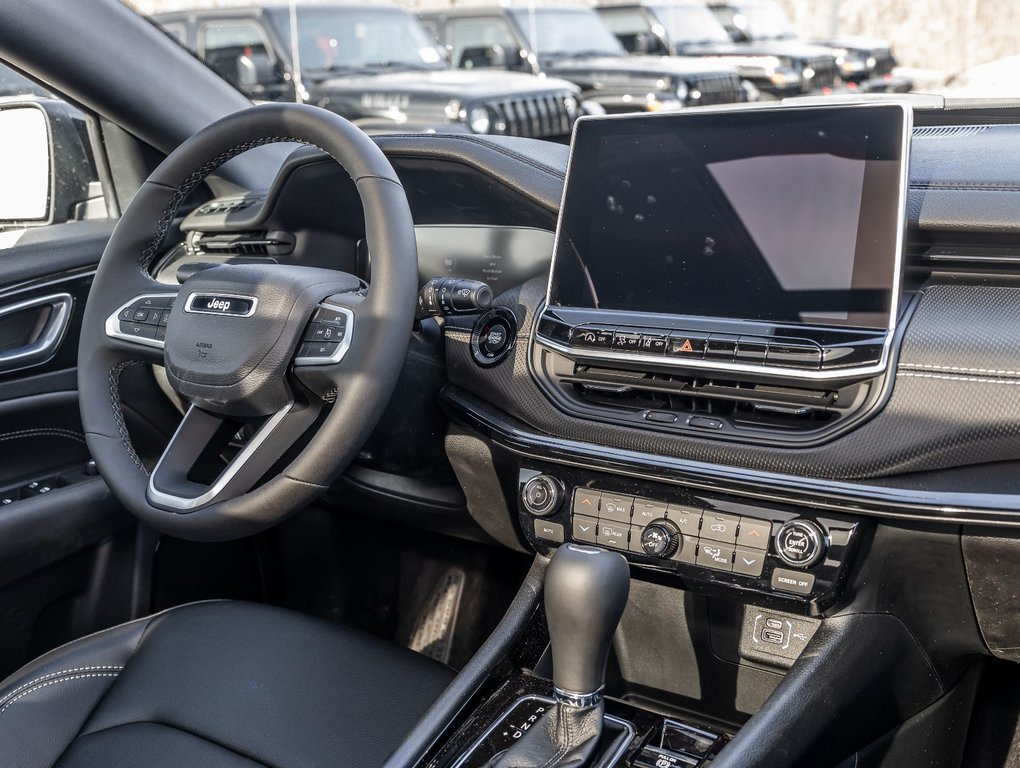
<point>586,502</point>
<point>549,531</point>
<point>796,582</point>
<point>714,555</point>
<point>585,529</point>
<point>800,543</point>
<point>612,535</point>
<point>754,533</point>
<point>138,330</point>
<point>493,336</point>
<point>142,320</point>
<point>719,526</point>
<point>327,337</point>
<point>542,495</point>
<point>660,539</point>
<point>748,562</point>
<point>616,507</point>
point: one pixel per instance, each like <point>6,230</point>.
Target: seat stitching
<point>70,434</point>
<point>54,682</point>
<point>39,679</point>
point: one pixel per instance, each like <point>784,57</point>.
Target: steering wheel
<point>305,356</point>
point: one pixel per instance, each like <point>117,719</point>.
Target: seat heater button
<point>792,581</point>
<point>548,531</point>
<point>585,529</point>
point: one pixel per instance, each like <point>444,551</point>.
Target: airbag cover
<point>234,329</point>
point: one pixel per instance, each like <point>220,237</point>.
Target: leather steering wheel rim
<point>359,386</point>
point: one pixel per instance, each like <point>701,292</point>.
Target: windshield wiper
<point>578,54</point>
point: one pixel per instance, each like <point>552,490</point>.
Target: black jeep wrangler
<point>779,68</point>
<point>865,63</point>
<point>573,43</point>
<point>375,66</point>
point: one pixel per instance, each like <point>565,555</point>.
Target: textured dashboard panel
<point>955,401</point>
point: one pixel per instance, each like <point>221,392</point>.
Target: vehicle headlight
<point>589,107</point>
<point>478,119</point>
<point>682,90</point>
<point>570,104</point>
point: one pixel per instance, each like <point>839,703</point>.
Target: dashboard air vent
<point>242,243</point>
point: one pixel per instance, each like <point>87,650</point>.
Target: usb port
<point>773,636</point>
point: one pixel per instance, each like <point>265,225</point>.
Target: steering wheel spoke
<point>192,473</point>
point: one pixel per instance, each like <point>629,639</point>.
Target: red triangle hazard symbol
<point>686,346</point>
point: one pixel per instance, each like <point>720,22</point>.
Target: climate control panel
<point>788,555</point>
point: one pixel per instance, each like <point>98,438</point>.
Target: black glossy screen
<point>785,215</point>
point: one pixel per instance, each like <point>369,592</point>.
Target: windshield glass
<point>358,38</point>
<point>691,24</point>
<point>554,32</point>
<point>763,21</point>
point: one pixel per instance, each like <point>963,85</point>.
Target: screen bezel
<point>906,117</point>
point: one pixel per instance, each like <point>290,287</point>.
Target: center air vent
<point>706,405</point>
<point>241,243</point>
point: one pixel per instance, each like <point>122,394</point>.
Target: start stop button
<point>493,336</point>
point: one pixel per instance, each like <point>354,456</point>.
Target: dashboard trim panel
<point>837,496</point>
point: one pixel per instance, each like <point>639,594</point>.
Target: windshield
<point>568,33</point>
<point>691,24</point>
<point>763,21</point>
<point>358,38</point>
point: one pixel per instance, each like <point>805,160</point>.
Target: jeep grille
<point>536,117</point>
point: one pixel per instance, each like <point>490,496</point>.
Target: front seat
<point>216,685</point>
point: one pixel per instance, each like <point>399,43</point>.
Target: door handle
<point>54,315</point>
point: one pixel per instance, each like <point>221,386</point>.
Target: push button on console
<point>628,341</point>
<point>616,507</point>
<point>594,338</point>
<point>683,344</point>
<point>612,535</point>
<point>719,526</point>
<point>721,346</point>
<point>713,555</point>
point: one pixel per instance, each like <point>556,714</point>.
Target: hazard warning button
<point>684,344</point>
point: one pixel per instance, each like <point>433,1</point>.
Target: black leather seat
<point>218,684</point>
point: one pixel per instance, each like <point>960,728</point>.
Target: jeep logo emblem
<point>221,304</point>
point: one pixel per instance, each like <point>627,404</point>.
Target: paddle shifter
<point>585,594</point>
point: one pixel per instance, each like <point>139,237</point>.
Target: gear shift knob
<point>585,593</point>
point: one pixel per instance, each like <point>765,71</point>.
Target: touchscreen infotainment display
<point>784,215</point>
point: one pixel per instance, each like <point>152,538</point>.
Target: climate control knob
<point>800,543</point>
<point>661,538</point>
<point>542,495</point>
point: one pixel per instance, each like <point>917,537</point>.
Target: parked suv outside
<point>864,62</point>
<point>374,65</point>
<point>572,42</point>
<point>781,68</point>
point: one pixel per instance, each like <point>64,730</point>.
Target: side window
<point>482,44</point>
<point>629,26</point>
<point>237,51</point>
<point>50,174</point>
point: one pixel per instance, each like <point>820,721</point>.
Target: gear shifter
<point>585,594</point>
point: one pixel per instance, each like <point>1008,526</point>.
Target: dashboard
<point>925,430</point>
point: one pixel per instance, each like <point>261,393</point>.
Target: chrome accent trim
<point>579,700</point>
<point>185,504</point>
<point>345,345</point>
<point>899,256</point>
<point>45,345</point>
<point>613,758</point>
<point>113,322</point>
<point>190,305</point>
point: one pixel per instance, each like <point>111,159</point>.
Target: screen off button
<point>792,581</point>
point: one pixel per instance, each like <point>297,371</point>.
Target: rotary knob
<point>542,495</point>
<point>660,538</point>
<point>801,543</point>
